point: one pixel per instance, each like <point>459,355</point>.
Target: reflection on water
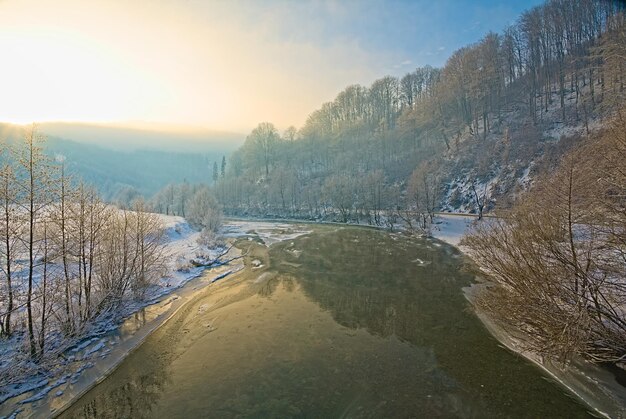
<point>133,323</point>
<point>348,322</point>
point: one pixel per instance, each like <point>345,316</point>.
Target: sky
<point>219,65</point>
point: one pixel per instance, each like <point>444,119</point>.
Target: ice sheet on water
<point>451,228</point>
<point>269,232</point>
<point>21,388</point>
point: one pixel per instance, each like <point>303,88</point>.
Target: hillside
<point>468,137</point>
<point>503,164</point>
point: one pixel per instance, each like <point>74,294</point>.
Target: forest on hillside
<point>123,175</point>
<point>463,137</point>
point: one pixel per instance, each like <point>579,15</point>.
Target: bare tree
<point>34,179</point>
<point>10,229</point>
<point>262,142</point>
<point>204,210</point>
<point>557,262</point>
<point>480,196</point>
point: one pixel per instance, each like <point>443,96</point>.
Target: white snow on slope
<point>181,246</point>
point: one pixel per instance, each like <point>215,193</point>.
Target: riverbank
<point>591,383</point>
<point>107,340</point>
<point>97,355</point>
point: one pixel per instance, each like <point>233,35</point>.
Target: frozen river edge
<point>95,356</point>
<point>594,385</point>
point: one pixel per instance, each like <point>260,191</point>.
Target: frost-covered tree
<point>204,210</point>
<point>65,256</point>
<point>261,145</point>
<point>35,175</point>
<point>11,230</point>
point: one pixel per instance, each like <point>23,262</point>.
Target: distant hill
<point>130,161</point>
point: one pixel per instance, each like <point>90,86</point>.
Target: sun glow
<point>122,63</point>
<point>64,73</point>
<point>184,63</point>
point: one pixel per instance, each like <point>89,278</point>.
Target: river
<point>342,322</point>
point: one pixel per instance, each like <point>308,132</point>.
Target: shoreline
<point>95,355</point>
<point>594,385</point>
<point>92,373</point>
<point>191,288</point>
<point>160,312</point>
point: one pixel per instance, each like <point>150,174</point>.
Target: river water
<point>342,322</point>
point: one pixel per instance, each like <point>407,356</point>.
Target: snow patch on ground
<point>181,248</point>
<point>451,228</point>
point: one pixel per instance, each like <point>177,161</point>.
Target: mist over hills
<point>145,137</point>
<point>125,162</point>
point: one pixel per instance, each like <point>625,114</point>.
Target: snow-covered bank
<point>110,337</point>
<point>98,352</point>
<point>181,248</point>
<point>593,384</point>
<point>450,228</point>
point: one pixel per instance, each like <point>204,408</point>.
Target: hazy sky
<point>223,65</point>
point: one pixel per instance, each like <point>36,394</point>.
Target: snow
<point>462,187</point>
<point>569,127</point>
<point>224,275</point>
<point>95,349</point>
<point>20,388</point>
<point>180,249</point>
<point>44,392</point>
<point>83,344</point>
<point>421,262</point>
<point>450,228</point>
<point>526,179</point>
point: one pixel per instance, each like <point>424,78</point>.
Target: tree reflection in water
<point>343,322</point>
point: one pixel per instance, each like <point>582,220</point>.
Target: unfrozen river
<point>342,322</point>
